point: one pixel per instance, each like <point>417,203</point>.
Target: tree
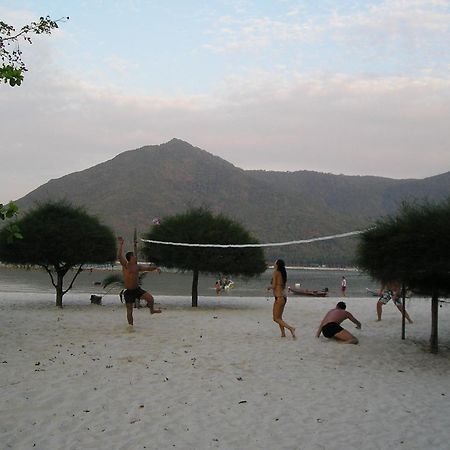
<point>412,247</point>
<point>59,237</point>
<point>8,212</point>
<point>13,66</point>
<point>198,226</point>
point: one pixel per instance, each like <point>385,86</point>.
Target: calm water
<point>171,283</point>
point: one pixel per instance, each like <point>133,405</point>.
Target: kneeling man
<point>330,326</point>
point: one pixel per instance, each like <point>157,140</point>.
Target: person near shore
<point>391,291</point>
<point>278,286</point>
<point>344,286</point>
<point>331,328</point>
<point>133,291</point>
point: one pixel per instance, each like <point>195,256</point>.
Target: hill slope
<point>153,181</point>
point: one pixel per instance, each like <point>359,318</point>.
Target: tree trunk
<point>59,290</point>
<point>195,289</point>
<point>434,323</point>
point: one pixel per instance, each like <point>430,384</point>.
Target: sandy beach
<point>218,377</point>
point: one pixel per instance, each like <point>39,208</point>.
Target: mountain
<point>154,181</point>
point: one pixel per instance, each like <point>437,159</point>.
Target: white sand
<point>218,377</point>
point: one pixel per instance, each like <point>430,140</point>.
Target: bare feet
<point>155,311</point>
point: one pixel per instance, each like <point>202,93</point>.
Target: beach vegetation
<point>200,226</point>
<point>412,247</point>
<point>59,238</point>
<point>13,67</point>
<point>10,211</point>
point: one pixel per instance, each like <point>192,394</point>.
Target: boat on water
<point>307,292</point>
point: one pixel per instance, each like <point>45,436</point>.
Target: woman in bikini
<point>278,286</point>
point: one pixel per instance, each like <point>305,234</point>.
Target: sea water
<point>174,283</point>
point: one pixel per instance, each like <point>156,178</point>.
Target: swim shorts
<point>330,329</point>
<point>387,295</point>
<point>131,295</point>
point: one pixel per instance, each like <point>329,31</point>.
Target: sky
<point>343,87</point>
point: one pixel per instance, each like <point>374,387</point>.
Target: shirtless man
<point>391,291</point>
<point>133,291</point>
<point>330,326</point>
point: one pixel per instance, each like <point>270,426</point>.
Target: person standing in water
<point>278,286</point>
<point>133,291</point>
<point>344,286</point>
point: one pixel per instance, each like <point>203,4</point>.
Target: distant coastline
<point>116,266</point>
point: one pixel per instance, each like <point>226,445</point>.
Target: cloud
<point>119,65</point>
<point>278,119</point>
<point>231,34</point>
<point>387,126</point>
<point>407,34</point>
<point>395,19</point>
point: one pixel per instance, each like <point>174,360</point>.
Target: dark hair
<point>128,255</point>
<point>281,267</point>
<point>341,305</point>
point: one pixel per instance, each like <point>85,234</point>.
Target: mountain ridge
<point>138,185</point>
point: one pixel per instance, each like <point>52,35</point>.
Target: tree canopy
<point>412,247</point>
<point>10,211</point>
<point>13,67</point>
<point>200,226</point>
<point>58,237</point>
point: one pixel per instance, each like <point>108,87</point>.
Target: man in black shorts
<point>331,328</point>
<point>133,291</point>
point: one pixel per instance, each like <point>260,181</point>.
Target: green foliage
<point>12,75</point>
<point>12,230</point>
<point>412,247</point>
<point>58,236</point>
<point>8,211</point>
<point>198,226</point>
<point>13,66</point>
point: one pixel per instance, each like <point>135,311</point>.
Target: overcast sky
<point>351,87</point>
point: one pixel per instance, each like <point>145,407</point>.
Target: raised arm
<point>120,257</point>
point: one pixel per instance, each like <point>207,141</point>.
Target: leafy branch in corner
<point>13,67</point>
